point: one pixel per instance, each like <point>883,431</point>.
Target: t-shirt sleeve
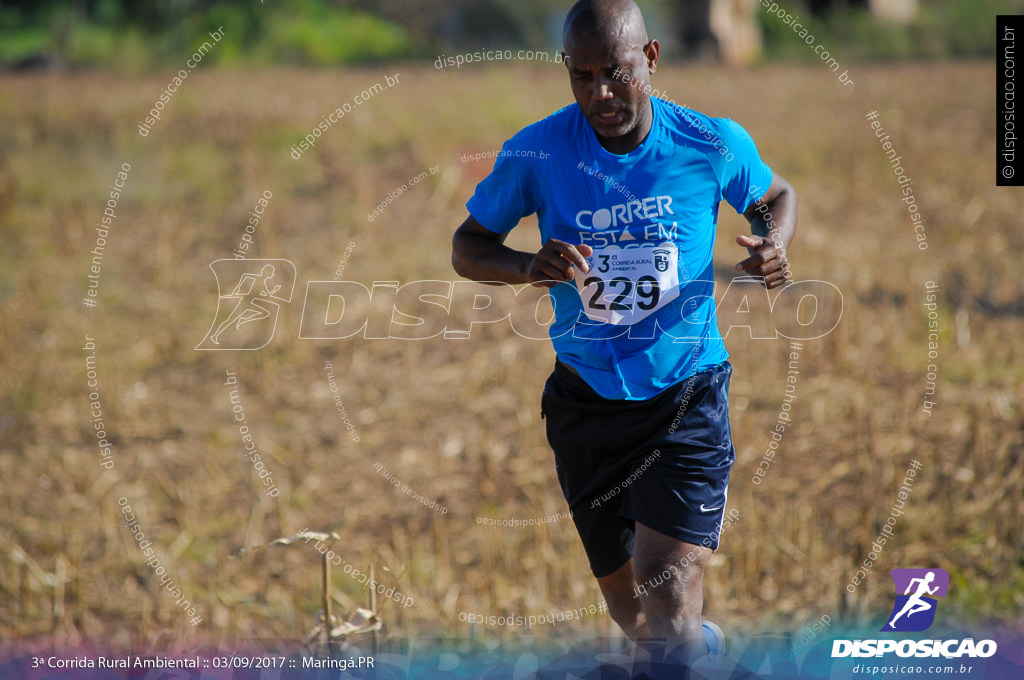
<point>745,177</point>
<point>509,193</point>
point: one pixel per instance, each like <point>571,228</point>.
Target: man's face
<point>611,83</point>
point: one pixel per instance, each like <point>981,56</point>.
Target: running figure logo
<point>914,609</point>
<point>247,316</point>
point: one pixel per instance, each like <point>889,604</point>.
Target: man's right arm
<point>481,255</point>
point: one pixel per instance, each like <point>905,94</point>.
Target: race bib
<point>626,285</point>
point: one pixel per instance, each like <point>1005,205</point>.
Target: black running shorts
<point>663,462</point>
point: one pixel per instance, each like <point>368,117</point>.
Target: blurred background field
<point>459,421</point>
<point>130,35</point>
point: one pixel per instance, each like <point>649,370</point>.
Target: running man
<point>914,603</point>
<point>627,205</point>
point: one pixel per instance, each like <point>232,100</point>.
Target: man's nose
<point>602,90</point>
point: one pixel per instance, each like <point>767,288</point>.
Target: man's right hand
<point>480,254</point>
<point>556,262</point>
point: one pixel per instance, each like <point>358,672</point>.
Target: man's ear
<point>651,51</point>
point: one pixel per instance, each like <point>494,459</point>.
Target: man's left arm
<point>772,225</point>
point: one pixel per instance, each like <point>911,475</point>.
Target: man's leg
<point>624,606</point>
<point>674,600</point>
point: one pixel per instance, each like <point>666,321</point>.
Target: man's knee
<point>623,605</point>
<point>659,573</point>
<point>627,615</point>
<point>660,556</point>
<point>683,565</point>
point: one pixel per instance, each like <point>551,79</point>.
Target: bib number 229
<point>624,285</point>
<point>647,293</point>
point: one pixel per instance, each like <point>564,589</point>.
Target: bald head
<point>611,22</point>
<point>610,61</point>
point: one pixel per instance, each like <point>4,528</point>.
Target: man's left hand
<point>765,260</point>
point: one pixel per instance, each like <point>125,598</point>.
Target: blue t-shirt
<point>640,212</point>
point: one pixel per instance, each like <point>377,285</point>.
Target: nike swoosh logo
<point>703,509</point>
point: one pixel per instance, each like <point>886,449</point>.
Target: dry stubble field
<point>458,421</point>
